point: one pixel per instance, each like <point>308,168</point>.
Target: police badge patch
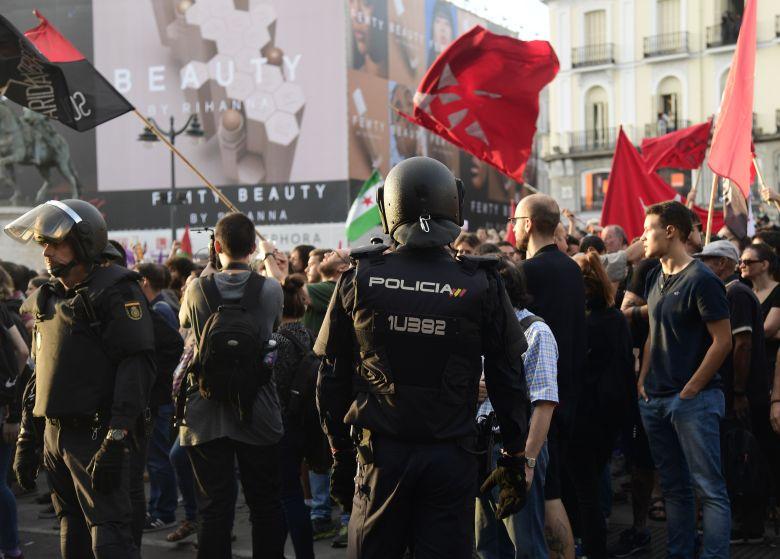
<point>133,310</point>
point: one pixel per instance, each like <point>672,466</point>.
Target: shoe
<point>629,542</point>
<point>155,524</point>
<point>738,537</point>
<point>186,530</point>
<point>47,512</point>
<point>323,528</point>
<point>43,499</point>
<point>340,541</point>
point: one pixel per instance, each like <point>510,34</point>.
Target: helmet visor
<point>48,223</point>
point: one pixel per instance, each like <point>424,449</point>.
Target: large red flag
<point>631,188</point>
<point>730,154</point>
<point>683,149</point>
<point>482,94</point>
<point>44,72</point>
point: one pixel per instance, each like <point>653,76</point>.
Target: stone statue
<point>32,140</point>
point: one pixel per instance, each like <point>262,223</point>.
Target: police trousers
<point>91,523</point>
<point>418,496</point>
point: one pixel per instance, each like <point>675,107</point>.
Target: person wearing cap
<point>403,341</point>
<point>93,346</point>
<point>745,382</point>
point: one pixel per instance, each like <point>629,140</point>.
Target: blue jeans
<point>162,478</point>
<point>320,498</point>
<point>521,536</point>
<point>181,463</point>
<point>684,440</point>
<point>9,535</point>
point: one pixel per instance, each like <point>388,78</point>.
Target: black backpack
<point>302,406</point>
<point>230,364</point>
<point>744,466</point>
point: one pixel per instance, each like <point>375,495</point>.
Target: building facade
<point>650,66</point>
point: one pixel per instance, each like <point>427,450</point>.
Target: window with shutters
<point>596,28</point>
<point>668,16</point>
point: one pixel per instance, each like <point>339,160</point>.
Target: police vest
<point>74,375</point>
<point>417,318</point>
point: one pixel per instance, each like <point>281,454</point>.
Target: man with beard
<point>558,296</point>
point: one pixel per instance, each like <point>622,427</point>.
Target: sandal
<point>657,510</point>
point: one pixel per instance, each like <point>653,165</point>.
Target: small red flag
<point>509,237</point>
<point>186,243</point>
<point>631,189</point>
<point>730,154</point>
<point>683,149</point>
<point>482,94</point>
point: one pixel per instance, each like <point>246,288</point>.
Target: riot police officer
<point>403,341</point>
<point>93,347</point>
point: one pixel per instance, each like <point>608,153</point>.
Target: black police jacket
<point>93,347</point>
<point>405,334</point>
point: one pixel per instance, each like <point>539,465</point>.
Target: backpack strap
<point>210,293</point>
<point>294,341</point>
<point>252,290</point>
<point>528,320</point>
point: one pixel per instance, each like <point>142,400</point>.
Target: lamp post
<point>191,128</point>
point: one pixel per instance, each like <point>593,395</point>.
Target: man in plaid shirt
<point>525,529</point>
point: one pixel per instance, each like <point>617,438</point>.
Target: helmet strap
<point>61,270</point>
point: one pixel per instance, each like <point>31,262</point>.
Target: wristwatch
<point>530,462</point>
<point>116,434</point>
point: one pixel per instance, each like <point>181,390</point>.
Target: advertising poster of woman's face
<point>407,46</point>
<point>368,36</point>
<point>405,137</point>
<point>441,29</point>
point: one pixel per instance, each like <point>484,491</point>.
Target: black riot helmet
<point>58,220</point>
<point>421,203</point>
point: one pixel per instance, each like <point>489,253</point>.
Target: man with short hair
<point>152,284</point>
<point>509,251</point>
<point>212,431</point>
<point>466,244</point>
<point>558,296</point>
<point>313,265</point>
<point>614,238</point>
<point>745,381</point>
<point>681,402</point>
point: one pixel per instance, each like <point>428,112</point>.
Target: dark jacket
<point>555,284</point>
<point>287,360</point>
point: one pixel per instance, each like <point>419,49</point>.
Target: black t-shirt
<point>5,317</point>
<point>679,305</point>
<point>746,316</point>
<point>637,285</point>
<point>771,345</point>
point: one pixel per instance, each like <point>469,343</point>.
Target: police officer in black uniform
<point>93,346</point>
<point>403,341</point>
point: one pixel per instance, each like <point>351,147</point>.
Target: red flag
<point>730,154</point>
<point>509,237</point>
<point>186,243</point>
<point>482,94</point>
<point>631,188</point>
<point>683,149</point>
<point>43,71</point>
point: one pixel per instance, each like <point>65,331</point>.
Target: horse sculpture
<point>32,140</point>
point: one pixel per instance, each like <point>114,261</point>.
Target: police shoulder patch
<point>133,310</point>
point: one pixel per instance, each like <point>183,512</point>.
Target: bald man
<point>556,287</point>
<point>614,238</point>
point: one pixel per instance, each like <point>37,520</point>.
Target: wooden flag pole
<point>762,184</point>
<point>711,209</point>
<point>232,207</point>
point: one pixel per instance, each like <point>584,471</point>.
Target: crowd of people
<point>656,353</point>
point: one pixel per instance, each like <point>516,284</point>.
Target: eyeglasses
<point>748,262</point>
<point>514,220</point>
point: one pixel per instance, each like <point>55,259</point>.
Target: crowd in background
<point>596,439</point>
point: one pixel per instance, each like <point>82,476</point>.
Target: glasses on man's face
<point>514,220</point>
<point>747,262</point>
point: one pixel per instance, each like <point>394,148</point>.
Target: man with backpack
<point>232,411</point>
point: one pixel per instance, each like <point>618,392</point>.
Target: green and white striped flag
<point>364,213</point>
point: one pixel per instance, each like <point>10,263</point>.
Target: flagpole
<point>232,207</point>
<point>711,209</point>
<point>761,182</point>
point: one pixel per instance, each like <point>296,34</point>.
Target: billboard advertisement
<point>286,105</point>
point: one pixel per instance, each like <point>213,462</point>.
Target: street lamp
<point>191,128</point>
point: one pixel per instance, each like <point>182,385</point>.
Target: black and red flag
<point>43,71</point>
<point>482,94</point>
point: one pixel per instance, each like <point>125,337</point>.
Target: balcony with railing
<point>593,55</point>
<point>657,129</point>
<point>600,139</point>
<point>666,44</point>
<point>722,34</point>
<point>777,26</point>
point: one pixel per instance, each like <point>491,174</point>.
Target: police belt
<point>95,421</point>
